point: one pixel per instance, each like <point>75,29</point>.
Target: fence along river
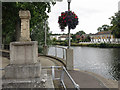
<point>102,61</point>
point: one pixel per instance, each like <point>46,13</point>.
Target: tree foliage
<point>103,28</point>
<point>77,33</point>
<point>38,34</point>
<point>11,20</point>
<point>80,32</point>
<point>115,25</point>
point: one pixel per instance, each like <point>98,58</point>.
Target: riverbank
<point>100,45</point>
<point>83,78</point>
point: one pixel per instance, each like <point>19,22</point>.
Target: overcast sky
<point>91,13</point>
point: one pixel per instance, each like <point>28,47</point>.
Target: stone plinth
<point>25,25</point>
<point>69,59</point>
<point>44,81</point>
<point>23,52</point>
<point>22,71</point>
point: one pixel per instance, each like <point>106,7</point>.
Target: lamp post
<point>69,1</point>
<point>45,34</point>
<point>45,48</point>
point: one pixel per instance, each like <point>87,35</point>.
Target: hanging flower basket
<point>68,18</point>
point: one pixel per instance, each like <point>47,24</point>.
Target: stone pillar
<point>69,59</point>
<point>25,25</point>
<point>45,50</point>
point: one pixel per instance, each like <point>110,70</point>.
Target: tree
<point>115,25</point>
<point>11,20</point>
<point>79,33</point>
<point>103,28</point>
<point>38,34</point>
<point>88,39</point>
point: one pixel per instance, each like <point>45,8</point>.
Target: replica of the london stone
<point>24,70</point>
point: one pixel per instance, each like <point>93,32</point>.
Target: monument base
<point>22,71</point>
<point>23,52</point>
<point>44,81</point>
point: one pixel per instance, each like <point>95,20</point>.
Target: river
<point>102,61</point>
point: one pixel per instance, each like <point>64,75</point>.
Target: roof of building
<point>103,32</point>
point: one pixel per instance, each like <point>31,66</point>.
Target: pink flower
<point>76,17</point>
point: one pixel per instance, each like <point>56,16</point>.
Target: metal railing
<point>61,78</point>
<point>56,52</point>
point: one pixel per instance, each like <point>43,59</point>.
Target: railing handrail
<point>63,51</point>
<point>59,47</point>
<point>62,76</point>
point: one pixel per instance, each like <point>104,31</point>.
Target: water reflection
<point>101,61</point>
<point>115,72</point>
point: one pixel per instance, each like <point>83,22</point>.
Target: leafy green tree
<point>54,39</point>
<point>103,28</point>
<point>11,20</point>
<point>115,25</point>
<point>38,34</point>
<point>74,39</point>
<point>80,32</point>
<point>88,39</point>
<point>99,29</point>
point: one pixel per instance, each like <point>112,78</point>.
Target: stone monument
<point>25,25</point>
<point>24,68</point>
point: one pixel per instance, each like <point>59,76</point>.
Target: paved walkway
<point>84,79</point>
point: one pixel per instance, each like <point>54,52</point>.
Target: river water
<point>102,61</point>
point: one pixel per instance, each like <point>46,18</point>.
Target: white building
<point>55,36</point>
<point>64,37</point>
<point>104,36</point>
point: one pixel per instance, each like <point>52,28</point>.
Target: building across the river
<point>104,37</point>
<point>59,37</point>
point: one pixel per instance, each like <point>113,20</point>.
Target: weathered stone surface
<point>22,71</point>
<point>24,14</point>
<point>45,81</point>
<point>69,59</point>
<point>23,52</point>
<point>25,25</point>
